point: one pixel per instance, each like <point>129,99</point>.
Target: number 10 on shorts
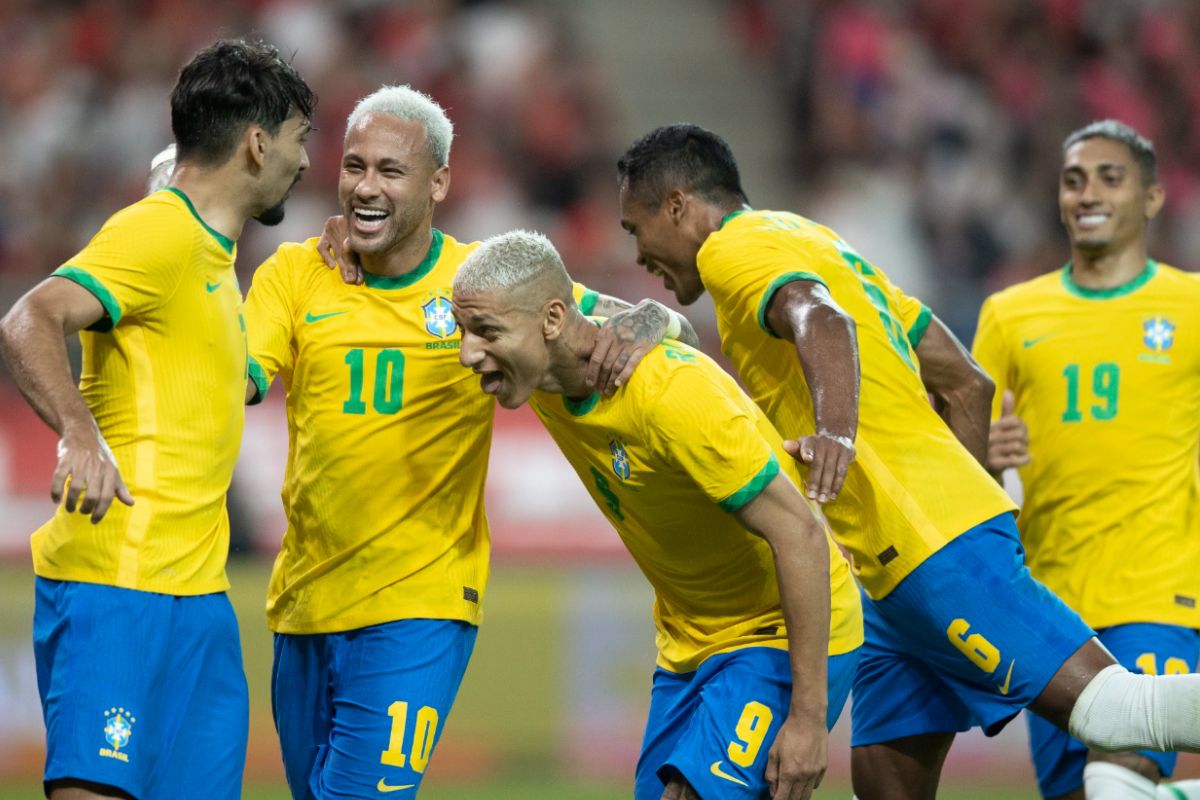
<point>424,733</point>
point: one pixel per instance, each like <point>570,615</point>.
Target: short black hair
<point>682,156</point>
<point>227,86</point>
<point>1141,147</point>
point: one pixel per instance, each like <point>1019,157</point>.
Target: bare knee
<point>902,769</point>
<point>679,789</point>
<point>1057,700</point>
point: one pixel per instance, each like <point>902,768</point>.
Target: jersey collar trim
<point>733,214</point>
<point>413,275</point>
<point>577,408</point>
<point>1108,294</point>
<point>225,242</point>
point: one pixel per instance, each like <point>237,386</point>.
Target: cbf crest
<point>439,319</point>
<point>1158,333</point>
<point>620,459</point>
<point>118,728</point>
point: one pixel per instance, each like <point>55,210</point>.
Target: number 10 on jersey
<point>388,397</point>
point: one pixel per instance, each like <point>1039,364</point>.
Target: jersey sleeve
<point>914,317</point>
<point>270,319</point>
<point>771,259</point>
<point>698,425</point>
<point>992,353</point>
<point>585,298</point>
<point>133,264</point>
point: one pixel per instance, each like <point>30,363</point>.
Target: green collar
<point>577,408</point>
<point>1108,294</point>
<point>733,214</point>
<point>225,242</point>
<point>413,275</point>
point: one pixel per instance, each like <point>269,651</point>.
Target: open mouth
<point>369,220</point>
<point>491,382</point>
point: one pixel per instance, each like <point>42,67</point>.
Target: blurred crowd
<point>84,106</point>
<point>959,108</point>
<point>931,129</point>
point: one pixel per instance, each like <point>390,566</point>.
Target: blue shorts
<point>359,712</point>
<point>1146,648</point>
<point>716,725</point>
<point>134,685</point>
<point>967,638</point>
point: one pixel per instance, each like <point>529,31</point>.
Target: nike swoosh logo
<point>311,317</point>
<point>385,787</point>
<point>715,769</point>
<point>1031,342</point>
<point>211,287</point>
<point>1003,687</point>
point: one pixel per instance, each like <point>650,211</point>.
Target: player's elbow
<point>980,386</point>
<point>967,387</point>
<point>10,324</point>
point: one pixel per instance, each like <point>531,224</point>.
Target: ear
<point>440,183</point>
<point>676,203</point>
<point>554,319</point>
<point>257,140</point>
<point>1155,197</point>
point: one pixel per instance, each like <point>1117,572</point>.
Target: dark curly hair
<point>227,86</point>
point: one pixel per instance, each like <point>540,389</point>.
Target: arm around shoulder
<point>630,332</point>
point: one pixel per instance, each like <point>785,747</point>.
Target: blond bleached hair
<point>405,102</point>
<point>518,262</point>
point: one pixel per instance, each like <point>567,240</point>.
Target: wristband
<point>674,325</point>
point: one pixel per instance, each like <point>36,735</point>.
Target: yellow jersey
<point>666,459</point>
<point>912,487</point>
<point>1108,383</point>
<point>164,374</point>
<point>388,439</point>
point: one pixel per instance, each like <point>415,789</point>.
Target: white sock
<point>1104,781</point>
<point>1120,710</point>
<point>1179,790</point>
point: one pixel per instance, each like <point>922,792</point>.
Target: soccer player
<point>138,660</point>
<point>1098,361</point>
<point>687,469</point>
<point>958,633</point>
<point>378,589</point>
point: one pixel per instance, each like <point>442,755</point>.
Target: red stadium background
<point>926,132</point>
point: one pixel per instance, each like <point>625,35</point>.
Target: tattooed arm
<point>608,306</point>
<point>628,335</point>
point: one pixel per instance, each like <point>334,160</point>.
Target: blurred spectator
<point>970,101</point>
<point>83,108</point>
<point>927,130</point>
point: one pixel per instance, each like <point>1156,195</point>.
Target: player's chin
<point>512,397</point>
<point>369,245</point>
<point>686,295</point>
<point>273,215</point>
